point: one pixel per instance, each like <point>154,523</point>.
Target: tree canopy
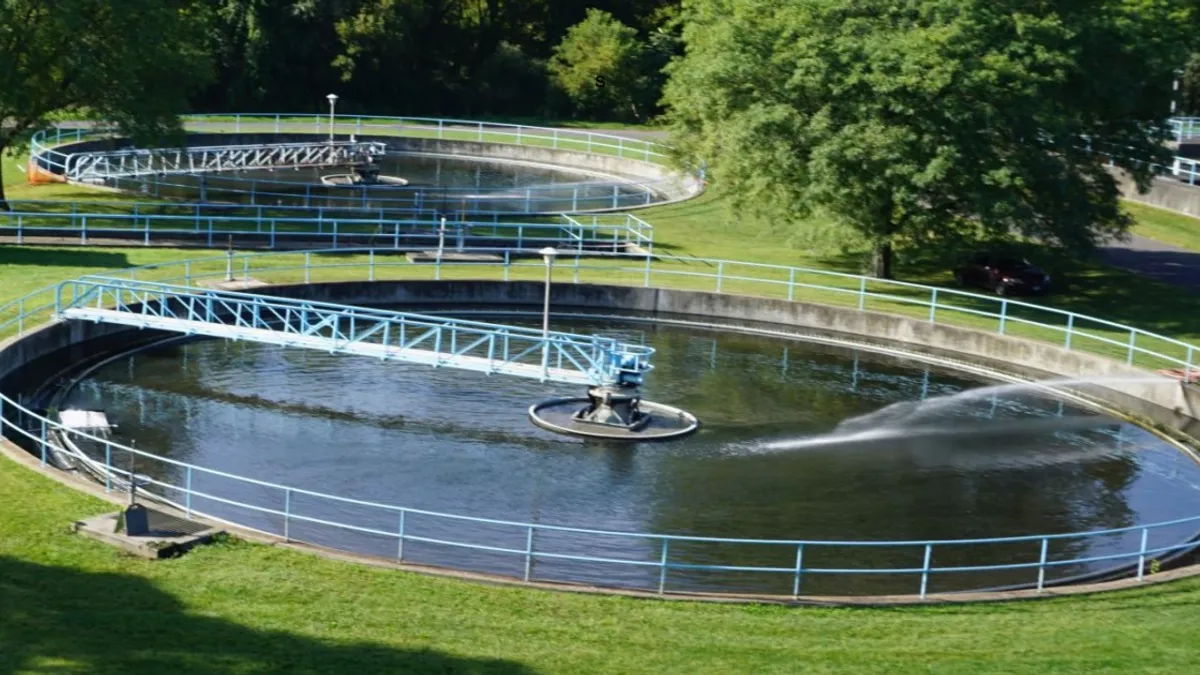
<point>911,121</point>
<point>603,66</point>
<point>98,59</point>
<point>411,57</point>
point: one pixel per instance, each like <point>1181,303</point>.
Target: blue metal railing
<point>211,225</point>
<point>398,336</point>
<point>1035,560</point>
<point>129,162</point>
<point>1185,128</point>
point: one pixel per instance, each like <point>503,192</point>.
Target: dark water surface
<point>443,182</point>
<point>763,464</point>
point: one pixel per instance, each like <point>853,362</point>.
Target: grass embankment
<point>1165,226</point>
<point>69,605</point>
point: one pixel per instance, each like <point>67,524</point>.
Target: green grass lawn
<point>68,605</point>
<point>1165,226</point>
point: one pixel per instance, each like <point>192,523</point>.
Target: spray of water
<point>914,419</point>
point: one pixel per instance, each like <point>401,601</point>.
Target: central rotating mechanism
<point>366,173</point>
<point>612,407</point>
<point>615,409</point>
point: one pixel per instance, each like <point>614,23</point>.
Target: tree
<point>131,62</point>
<point>602,66</point>
<point>912,121</point>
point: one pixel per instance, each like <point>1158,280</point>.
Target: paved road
<point>1155,259</point>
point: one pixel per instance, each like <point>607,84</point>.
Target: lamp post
<point>548,255</point>
<point>332,98</point>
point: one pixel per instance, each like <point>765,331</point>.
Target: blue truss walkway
<point>384,334</point>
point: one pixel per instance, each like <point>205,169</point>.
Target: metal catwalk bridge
<point>91,166</point>
<point>384,334</point>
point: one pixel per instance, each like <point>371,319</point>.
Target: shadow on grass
<point>16,255</point>
<point>54,618</point>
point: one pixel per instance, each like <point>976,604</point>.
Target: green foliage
<point>97,58</point>
<point>68,604</point>
<point>509,82</point>
<point>917,121</point>
<point>604,68</point>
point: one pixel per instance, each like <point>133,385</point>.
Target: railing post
<point>287,514</point>
<point>529,553</point>
<point>371,265</point>
<point>791,284</point>
<point>1187,372</point>
<point>720,274</point>
<point>307,267</point>
<point>1003,315</point>
<point>925,570</point>
<point>107,466</point>
<point>1142,554</point>
<point>507,263</point>
<point>799,569</point>
<point>933,306</point>
<point>662,568</point>
<point>646,278</point>
<point>1070,331</point>
<point>44,442</point>
<point>1132,344</point>
<point>1042,564</point>
<point>187,493</point>
<point>862,293</point>
<point>400,546</point>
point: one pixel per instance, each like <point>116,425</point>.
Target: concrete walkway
<point>1155,259</point>
<point>639,134</point>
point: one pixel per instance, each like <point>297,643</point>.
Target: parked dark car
<point>1004,274</point>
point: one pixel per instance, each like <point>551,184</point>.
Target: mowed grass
<point>68,605</point>
<point>1169,227</point>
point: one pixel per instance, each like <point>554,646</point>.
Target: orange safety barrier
<point>39,176</point>
<point>1190,376</point>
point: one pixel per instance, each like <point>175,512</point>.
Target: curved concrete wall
<point>670,185</point>
<point>1169,404</point>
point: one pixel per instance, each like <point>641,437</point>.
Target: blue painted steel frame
<point>390,335</point>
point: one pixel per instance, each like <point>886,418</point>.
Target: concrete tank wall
<point>671,185</point>
<point>1165,193</point>
<point>1168,404</point>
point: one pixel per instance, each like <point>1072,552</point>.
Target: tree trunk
<point>3,202</point>
<point>881,260</point>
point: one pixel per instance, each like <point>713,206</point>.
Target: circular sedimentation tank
<point>447,183</point>
<point>800,441</point>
